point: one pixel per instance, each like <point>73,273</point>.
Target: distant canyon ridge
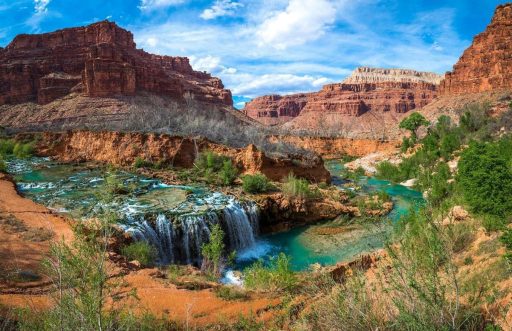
<point>94,77</point>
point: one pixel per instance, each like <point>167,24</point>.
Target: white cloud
<point>152,41</point>
<point>40,6</point>
<point>252,86</point>
<point>210,64</point>
<point>220,8</point>
<point>150,5</point>
<point>302,21</point>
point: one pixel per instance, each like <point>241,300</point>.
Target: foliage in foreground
<point>140,251</point>
<point>214,260</point>
<point>277,276</point>
<point>421,290</point>
<point>485,177</point>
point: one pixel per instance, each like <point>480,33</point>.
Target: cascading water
<point>176,220</point>
<point>179,238</point>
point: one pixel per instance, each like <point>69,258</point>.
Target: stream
<point>177,219</point>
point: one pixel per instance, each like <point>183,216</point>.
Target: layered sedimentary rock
<point>487,64</point>
<point>123,148</point>
<point>99,60</point>
<point>276,109</point>
<point>382,96</point>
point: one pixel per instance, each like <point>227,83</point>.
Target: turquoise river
<point>151,209</point>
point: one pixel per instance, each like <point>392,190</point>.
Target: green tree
<point>413,122</point>
<point>213,252</point>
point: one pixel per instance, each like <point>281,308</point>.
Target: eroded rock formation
<point>123,149</point>
<point>99,60</point>
<point>487,64</point>
<point>367,90</point>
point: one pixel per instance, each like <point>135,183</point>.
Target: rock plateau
<point>370,98</point>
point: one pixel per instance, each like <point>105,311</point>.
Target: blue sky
<point>274,46</point>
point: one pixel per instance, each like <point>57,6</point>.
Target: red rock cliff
<point>98,60</point>
<point>366,90</point>
<point>487,64</point>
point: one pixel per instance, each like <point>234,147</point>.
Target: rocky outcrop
<point>123,149</point>
<point>99,60</point>
<point>333,147</point>
<point>276,109</point>
<point>384,94</point>
<point>364,75</point>
<point>487,64</point>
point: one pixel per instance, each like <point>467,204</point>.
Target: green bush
<point>485,178</point>
<point>389,171</point>
<point>3,165</point>
<point>231,293</point>
<point>276,276</point>
<point>297,187</point>
<point>406,144</point>
<point>258,183</point>
<point>141,163</point>
<point>209,161</point>
<point>228,173</point>
<point>140,251</point>
<point>7,146</point>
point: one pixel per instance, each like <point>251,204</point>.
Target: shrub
<point>485,178</point>
<point>3,165</point>
<point>141,163</point>
<point>406,144</point>
<point>440,188</point>
<point>23,150</point>
<point>209,161</point>
<point>297,187</point>
<point>389,171</point>
<point>6,146</point>
<point>140,251</point>
<point>231,293</point>
<point>276,276</point>
<point>258,183</point>
<point>228,173</point>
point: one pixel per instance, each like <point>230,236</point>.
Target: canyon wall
<point>384,93</point>
<point>99,60</point>
<point>487,64</point>
<point>334,147</point>
<point>123,149</point>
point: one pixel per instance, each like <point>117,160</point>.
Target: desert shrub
<point>228,172</point>
<point>406,144</point>
<point>140,251</point>
<point>209,161</point>
<point>474,117</point>
<point>439,185</point>
<point>139,162</point>
<point>297,188</point>
<point>7,146</point>
<point>389,171</point>
<point>481,167</point>
<point>231,293</point>
<point>276,276</point>
<point>258,183</point>
<point>3,165</point>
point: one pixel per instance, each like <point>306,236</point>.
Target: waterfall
<point>179,238</point>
